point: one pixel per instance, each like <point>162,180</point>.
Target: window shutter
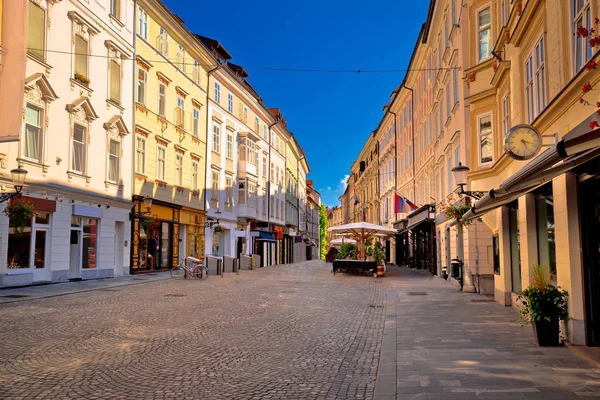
<point>115,81</point>
<point>36,31</point>
<point>81,52</point>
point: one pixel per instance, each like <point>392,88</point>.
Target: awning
<point>422,214</point>
<point>577,147</point>
<point>265,236</point>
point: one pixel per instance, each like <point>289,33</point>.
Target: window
<point>245,115</point>
<point>114,154</point>
<point>215,186</point>
<point>453,5</point>
<point>196,72</point>
<point>484,32</point>
<point>33,237</point>
<point>505,8</point>
<point>36,31</point>
<point>194,175</point>
<point>216,138</point>
<point>242,191</point>
<point>142,24</point>
<point>272,175</point>
<point>228,191</point>
<point>142,82</point>
<point>505,115</point>
<point>582,18</point>
<point>217,92</point>
<point>161,163</point>
<point>163,42</point>
<point>546,234</point>
<point>229,102</point>
<point>81,56</point>
<point>162,99</point>
<point>449,174</point>
<point>79,149</point>
<point>535,81</point>
<point>456,156</point>
<point>33,140</point>
<point>196,122</point>
<point>446,33</point>
<point>448,102</point>
<point>229,153</point>
<point>115,8</point>
<point>264,168</point>
<point>180,112</point>
<point>181,58</point>
<point>179,170</point>
<point>140,155</point>
<point>485,139</point>
<point>442,113</point>
<point>256,123</point>
<point>115,81</point>
<point>265,134</point>
<point>455,84</point>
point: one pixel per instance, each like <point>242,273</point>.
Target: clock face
<point>522,142</point>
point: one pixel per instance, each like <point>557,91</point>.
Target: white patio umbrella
<point>361,232</point>
<point>342,240</point>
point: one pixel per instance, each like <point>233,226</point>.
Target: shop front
<point>191,233</point>
<point>155,237</point>
<point>421,234</point>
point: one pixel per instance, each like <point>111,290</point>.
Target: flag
<point>403,205</point>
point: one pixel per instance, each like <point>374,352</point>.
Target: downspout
<point>207,141</point>
<point>412,131</point>
<point>395,154</point>
<point>133,112</point>
<point>269,173</point>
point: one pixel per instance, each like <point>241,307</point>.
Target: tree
<point>323,231</point>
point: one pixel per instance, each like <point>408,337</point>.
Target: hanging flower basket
<point>218,228</point>
<point>20,212</point>
<point>150,224</point>
<point>81,79</point>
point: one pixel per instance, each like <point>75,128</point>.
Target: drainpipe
<point>133,87</point>
<point>269,169</point>
<point>412,131</point>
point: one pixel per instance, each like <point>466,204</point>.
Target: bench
<point>355,265</point>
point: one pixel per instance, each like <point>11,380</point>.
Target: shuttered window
<point>115,81</point>
<point>81,56</point>
<point>36,31</point>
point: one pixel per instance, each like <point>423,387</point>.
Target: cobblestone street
<point>289,332</point>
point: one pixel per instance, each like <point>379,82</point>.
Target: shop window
<point>90,243</point>
<point>515,247</point>
<point>496,253</point>
<point>546,235</point>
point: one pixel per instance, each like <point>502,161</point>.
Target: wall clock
<point>522,142</point>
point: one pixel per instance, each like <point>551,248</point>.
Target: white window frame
<point>163,42</point>
<point>161,159</point>
<point>505,9</point>
<point>181,57</point>
<point>196,122</point>
<point>218,92</point>
<point>535,80</point>
<point>194,175</point>
<point>41,134</point>
<point>39,54</point>
<point>143,83</point>
<point>505,105</point>
<point>230,102</point>
<point>214,195</point>
<point>114,60</point>
<point>229,149</point>
<point>164,98</point>
<point>140,153</point>
<point>480,30</point>
<point>115,9</point>
<point>142,23</point>
<point>216,146</point>
<point>84,146</point>
<point>117,157</point>
<point>228,191</point>
<point>582,17</point>
<point>491,135</point>
<point>179,169</point>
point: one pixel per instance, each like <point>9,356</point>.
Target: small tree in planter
<point>150,224</point>
<point>20,212</point>
<point>543,305</point>
<point>348,251</point>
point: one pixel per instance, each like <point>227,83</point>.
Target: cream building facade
<point>75,104</point>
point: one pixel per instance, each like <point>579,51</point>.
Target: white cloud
<point>344,182</point>
<point>328,187</point>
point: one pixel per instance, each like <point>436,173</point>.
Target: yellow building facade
<point>170,139</point>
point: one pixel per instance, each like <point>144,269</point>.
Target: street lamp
<point>460,176</point>
<point>18,179</point>
<point>211,222</point>
<point>148,204</point>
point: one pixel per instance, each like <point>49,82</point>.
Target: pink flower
<point>586,88</point>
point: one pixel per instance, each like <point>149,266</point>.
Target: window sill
<point>142,175</point>
<point>455,107</point>
<point>18,271</point>
<point>115,104</point>
<point>448,120</point>
<point>75,82</point>
<point>116,20</point>
<point>111,183</point>
<point>33,163</point>
<point>39,60</point>
<point>72,174</point>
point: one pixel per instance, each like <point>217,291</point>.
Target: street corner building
<point>494,135</point>
<point>141,144</point>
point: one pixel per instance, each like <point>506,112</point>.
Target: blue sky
<point>331,114</point>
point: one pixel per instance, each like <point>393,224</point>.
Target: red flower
<point>597,20</point>
<point>594,41</point>
<point>586,88</point>
<point>581,100</point>
<point>594,124</point>
<point>592,64</point>
<point>582,32</point>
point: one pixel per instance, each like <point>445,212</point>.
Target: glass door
<point>165,246</point>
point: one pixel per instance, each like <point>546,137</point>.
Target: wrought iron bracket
<point>8,196</point>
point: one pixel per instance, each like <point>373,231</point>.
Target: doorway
<point>589,214</point>
<point>75,255</point>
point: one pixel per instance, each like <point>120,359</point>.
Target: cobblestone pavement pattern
<point>289,332</point>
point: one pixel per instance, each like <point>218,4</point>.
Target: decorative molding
<point>142,131</point>
<point>180,91</point>
<point>143,63</point>
<point>162,141</point>
<point>180,150</point>
<point>141,108</point>
<point>196,103</point>
<point>78,18</point>
<point>163,78</point>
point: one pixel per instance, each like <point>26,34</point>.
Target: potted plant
<point>19,212</point>
<point>543,305</point>
<point>81,79</point>
<point>379,258</point>
<point>348,251</point>
<point>150,224</point>
<point>218,228</point>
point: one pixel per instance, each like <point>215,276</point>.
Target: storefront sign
<point>84,211</point>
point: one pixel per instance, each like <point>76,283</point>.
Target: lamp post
<point>460,176</point>
<point>18,179</point>
<point>211,222</point>
<point>138,214</point>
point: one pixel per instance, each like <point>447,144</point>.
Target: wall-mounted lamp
<point>138,214</point>
<point>211,222</point>
<point>18,179</point>
<point>460,176</point>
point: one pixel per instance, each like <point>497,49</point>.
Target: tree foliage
<point>323,231</point>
